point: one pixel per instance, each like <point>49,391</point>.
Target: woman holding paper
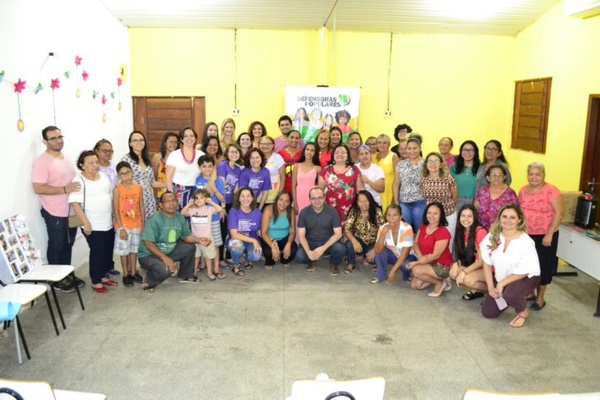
<point>511,252</point>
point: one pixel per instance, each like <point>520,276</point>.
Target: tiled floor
<point>251,337</point>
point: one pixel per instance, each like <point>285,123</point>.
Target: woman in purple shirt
<point>244,221</point>
<point>256,176</point>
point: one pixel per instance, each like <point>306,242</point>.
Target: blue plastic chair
<point>9,312</point>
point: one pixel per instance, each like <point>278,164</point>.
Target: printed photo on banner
<point>313,108</point>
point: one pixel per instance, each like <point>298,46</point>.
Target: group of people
<point>231,202</point>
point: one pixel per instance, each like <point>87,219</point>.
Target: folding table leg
<point>60,315</point>
<point>18,344</point>
<point>22,337</point>
<point>78,292</point>
<point>52,313</point>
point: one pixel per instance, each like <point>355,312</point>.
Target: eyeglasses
<point>137,140</point>
<point>491,149</point>
<point>468,150</point>
<point>125,173</point>
<point>433,161</point>
<point>55,138</point>
<point>105,151</point>
<point>317,198</point>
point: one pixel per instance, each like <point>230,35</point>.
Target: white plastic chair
<point>50,274</point>
<point>24,293</point>
<point>474,394</point>
<point>40,390</point>
<point>323,388</point>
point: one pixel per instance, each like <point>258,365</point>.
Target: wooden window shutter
<point>530,118</point>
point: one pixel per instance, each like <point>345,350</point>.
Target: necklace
<point>185,159</point>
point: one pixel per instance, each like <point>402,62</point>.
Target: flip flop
<point>519,320</point>
<point>221,275</point>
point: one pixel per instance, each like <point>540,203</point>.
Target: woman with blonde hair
<point>227,133</point>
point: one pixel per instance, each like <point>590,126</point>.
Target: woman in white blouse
<point>182,167</point>
<point>511,252</point>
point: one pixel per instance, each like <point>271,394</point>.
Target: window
<point>530,118</point>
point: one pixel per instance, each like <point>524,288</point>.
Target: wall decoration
<point>19,86</point>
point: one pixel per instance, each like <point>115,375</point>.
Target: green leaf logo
<point>344,99</point>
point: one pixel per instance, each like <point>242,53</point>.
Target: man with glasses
<point>52,177</point>
<point>319,233</point>
<point>166,239</point>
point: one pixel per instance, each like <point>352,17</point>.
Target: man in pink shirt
<point>52,177</point>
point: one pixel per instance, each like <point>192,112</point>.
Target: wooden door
<point>590,169</point>
<point>154,116</point>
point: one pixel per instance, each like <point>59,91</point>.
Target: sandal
<point>471,295</point>
<point>349,269</point>
<point>268,267</point>
<point>221,275</point>
<point>249,266</point>
<point>238,272</point>
<point>148,289</point>
<point>520,319</point>
<point>212,278</point>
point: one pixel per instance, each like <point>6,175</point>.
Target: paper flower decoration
<point>85,75</point>
<point>103,99</point>
<point>112,95</point>
<point>55,83</point>
<point>38,88</point>
<point>67,74</point>
<point>123,72</point>
<point>94,94</point>
<point>78,60</point>
<point>1,76</point>
<point>119,81</point>
<point>19,86</point>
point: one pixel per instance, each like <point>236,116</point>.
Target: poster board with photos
<point>18,254</point>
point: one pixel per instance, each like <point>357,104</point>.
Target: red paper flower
<point>78,60</point>
<point>19,86</point>
<point>103,99</point>
<point>119,81</point>
<point>54,83</point>
<point>85,75</point>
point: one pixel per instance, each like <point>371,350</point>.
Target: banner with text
<point>314,108</point>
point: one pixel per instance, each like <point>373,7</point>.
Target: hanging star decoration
<point>85,75</point>
<point>67,74</point>
<point>55,83</point>
<point>78,60</point>
<point>38,88</point>
<point>19,86</point>
<point>94,94</point>
<point>103,99</point>
<point>1,76</point>
<point>123,72</point>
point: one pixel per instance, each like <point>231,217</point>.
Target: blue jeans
<point>388,257</point>
<point>412,213</point>
<point>101,245</point>
<point>60,239</point>
<point>351,254</point>
<point>336,253</point>
<point>237,248</point>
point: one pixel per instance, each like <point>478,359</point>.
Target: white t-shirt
<point>405,238</point>
<point>374,173</point>
<point>98,201</point>
<point>185,173</point>
<point>519,258</point>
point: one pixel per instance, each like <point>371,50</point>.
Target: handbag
<point>74,220</point>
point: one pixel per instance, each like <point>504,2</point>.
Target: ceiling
<point>506,17</point>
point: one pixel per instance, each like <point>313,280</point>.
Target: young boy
<point>205,181</point>
<point>128,206</point>
<point>200,209</point>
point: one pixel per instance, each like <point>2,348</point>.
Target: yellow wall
<point>442,85</point>
<point>565,49</point>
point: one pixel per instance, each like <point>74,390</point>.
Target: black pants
<point>268,251</point>
<point>224,232</point>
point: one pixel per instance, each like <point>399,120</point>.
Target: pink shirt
<point>201,221</point>
<point>58,172</point>
<point>537,208</point>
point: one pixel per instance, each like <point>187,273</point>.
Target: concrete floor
<point>251,337</point>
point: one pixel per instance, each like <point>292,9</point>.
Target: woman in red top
<point>433,254</point>
<point>468,268</point>
<point>291,154</point>
<point>324,147</point>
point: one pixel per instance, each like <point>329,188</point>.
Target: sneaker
<point>137,278</point>
<point>128,281</point>
<point>311,266</point>
<point>187,280</point>
<point>113,272</point>
<point>67,288</point>
<point>334,270</point>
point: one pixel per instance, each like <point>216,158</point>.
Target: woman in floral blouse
<point>340,180</point>
<point>361,228</point>
<point>490,199</point>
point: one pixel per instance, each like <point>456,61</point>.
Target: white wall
<point>30,30</point>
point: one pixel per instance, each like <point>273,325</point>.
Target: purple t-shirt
<point>231,178</point>
<point>247,224</point>
<point>257,181</point>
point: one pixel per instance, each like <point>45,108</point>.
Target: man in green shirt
<point>166,239</point>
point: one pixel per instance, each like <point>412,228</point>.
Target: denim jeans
<point>351,254</point>
<point>386,257</point>
<point>158,271</point>
<point>237,248</point>
<point>60,239</point>
<point>101,251</point>
<point>412,213</point>
<point>336,253</point>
